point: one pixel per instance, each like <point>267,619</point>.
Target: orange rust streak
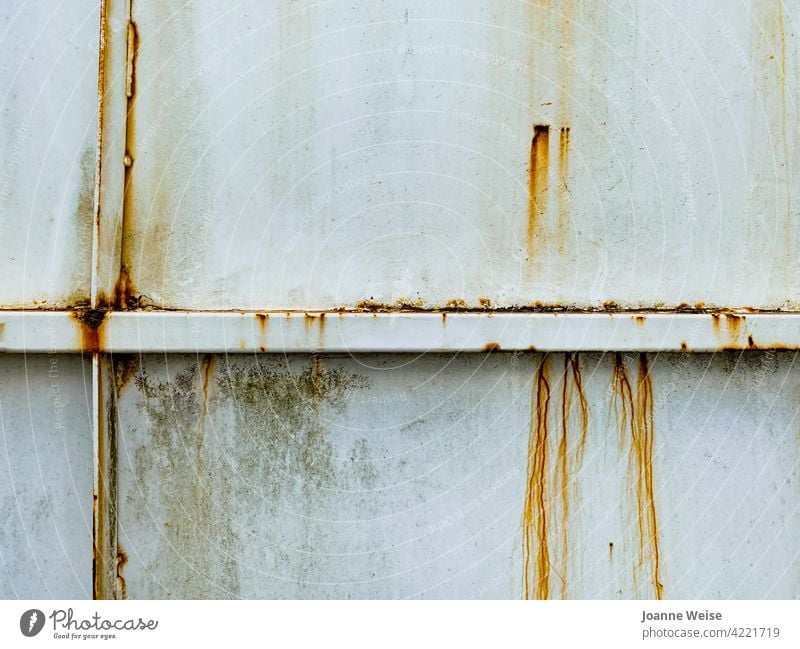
<point>646,438</point>
<point>638,418</point>
<point>534,518</point>
<point>584,406</point>
<point>538,174</point>
<point>563,187</point>
<point>734,323</point>
<point>563,470</point>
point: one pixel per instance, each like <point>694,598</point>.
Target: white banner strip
<point>400,624</point>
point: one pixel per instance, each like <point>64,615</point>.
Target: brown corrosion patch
<point>538,179</point>
<point>734,323</point>
<point>492,347</point>
<point>636,422</point>
<point>122,560</point>
<point>91,329</point>
<point>684,346</point>
<point>456,305</point>
<point>610,551</point>
<point>536,578</point>
<point>640,320</point>
<point>262,319</point>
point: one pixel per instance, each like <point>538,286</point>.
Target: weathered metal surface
<point>304,332</point>
<point>319,155</point>
<point>45,477</point>
<point>485,475</point>
<point>48,126</point>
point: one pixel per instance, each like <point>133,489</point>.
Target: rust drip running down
<point>538,178</point>
<point>610,551</point>
<point>542,503</point>
<point>122,560</point>
<point>636,417</point>
<point>572,385</point>
<point>645,456</point>
<point>534,516</point>
<point>492,347</point>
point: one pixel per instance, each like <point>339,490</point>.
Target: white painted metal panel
<point>48,130</point>
<point>304,332</point>
<point>45,477</point>
<point>318,155</point>
<point>409,476</point>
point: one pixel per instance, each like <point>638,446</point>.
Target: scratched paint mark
<point>636,428</point>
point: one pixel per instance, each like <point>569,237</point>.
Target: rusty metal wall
<point>48,131</point>
<point>399,476</point>
<point>561,154</point>
<point>45,477</point>
<point>300,157</point>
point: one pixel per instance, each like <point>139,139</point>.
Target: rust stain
<point>734,323</point>
<point>91,329</point>
<point>485,302</point>
<point>492,347</point>
<point>444,318</point>
<point>562,472</point>
<point>263,327</point>
<point>207,370</point>
<point>684,346</point>
<point>640,320</point>
<point>125,367</point>
<point>715,324</point>
<point>456,305</point>
<point>636,418</point>
<point>645,456</point>
<point>538,180</point>
<point>124,297</point>
<point>132,46</point>
<point>122,560</point>
<point>536,581</point>
<point>610,551</point>
<point>583,404</point>
<point>563,187</point>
